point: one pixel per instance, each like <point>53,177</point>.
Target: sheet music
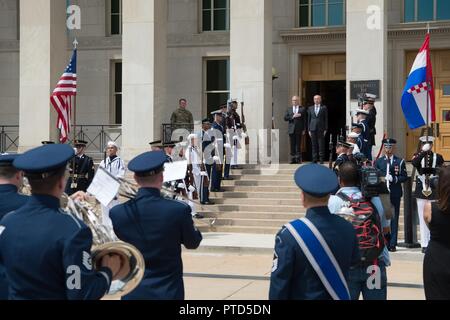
<point>175,170</point>
<point>104,187</point>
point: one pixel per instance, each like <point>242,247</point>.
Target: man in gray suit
<point>296,116</point>
<point>318,127</point>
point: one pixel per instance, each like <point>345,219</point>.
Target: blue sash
<point>320,257</point>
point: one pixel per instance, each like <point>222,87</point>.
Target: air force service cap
<point>44,161</point>
<point>316,180</point>
<point>148,164</point>
<point>389,142</point>
<point>6,160</point>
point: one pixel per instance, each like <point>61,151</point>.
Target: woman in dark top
<point>436,266</point>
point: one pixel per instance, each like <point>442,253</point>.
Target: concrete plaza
<point>237,267</point>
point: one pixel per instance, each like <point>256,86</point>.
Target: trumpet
<point>105,242</point>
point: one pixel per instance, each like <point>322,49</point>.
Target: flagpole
<point>428,94</point>
<point>75,45</point>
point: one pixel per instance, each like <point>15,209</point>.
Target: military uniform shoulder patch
<point>275,262</point>
<point>87,260</point>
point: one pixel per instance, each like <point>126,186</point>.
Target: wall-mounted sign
<point>359,87</point>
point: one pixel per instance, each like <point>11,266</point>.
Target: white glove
<point>426,147</point>
<point>216,158</point>
<point>244,135</point>
<point>389,178</point>
<point>191,189</point>
<point>227,146</point>
<point>181,186</point>
<point>204,173</point>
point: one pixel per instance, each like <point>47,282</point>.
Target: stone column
<point>251,25</point>
<point>43,57</point>
<point>367,48</point>
<point>144,73</point>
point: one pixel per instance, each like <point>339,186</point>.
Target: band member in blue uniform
<point>11,181</point>
<point>10,200</point>
<point>394,169</point>
<point>157,227</point>
<point>293,275</point>
<point>81,170</point>
<point>54,261</point>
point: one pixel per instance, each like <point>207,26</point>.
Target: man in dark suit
<point>318,127</point>
<point>296,116</point>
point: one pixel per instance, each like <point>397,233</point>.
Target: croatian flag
<point>419,90</point>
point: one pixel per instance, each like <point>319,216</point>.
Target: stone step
<point>265,172</point>
<point>250,208</point>
<point>265,201</point>
<point>239,229</point>
<point>251,196</point>
<point>259,188</point>
<point>287,216</point>
<point>259,183</point>
<point>252,177</point>
<point>250,222</point>
<point>275,166</point>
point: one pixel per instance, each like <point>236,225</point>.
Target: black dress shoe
<point>199,216</point>
<point>207,203</point>
<point>293,162</point>
<point>217,190</point>
<point>392,249</point>
<point>228,179</point>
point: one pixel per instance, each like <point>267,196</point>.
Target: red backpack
<point>367,224</point>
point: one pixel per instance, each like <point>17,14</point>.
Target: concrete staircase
<point>258,201</point>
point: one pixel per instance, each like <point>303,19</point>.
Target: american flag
<point>63,97</point>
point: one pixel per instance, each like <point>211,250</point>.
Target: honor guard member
<point>361,116</point>
<point>362,143</point>
<point>394,169</point>
<point>81,170</point>
<point>227,127</point>
<point>47,142</point>
<point>157,227</point>
<point>218,138</point>
<point>116,167</point>
<point>313,255</point>
<point>426,163</point>
<point>208,154</point>
<point>369,105</point>
<point>234,122</point>
<point>342,148</point>
<point>11,180</point>
<point>353,138</point>
<point>46,252</point>
<point>156,145</point>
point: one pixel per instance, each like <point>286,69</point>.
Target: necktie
<point>317,110</point>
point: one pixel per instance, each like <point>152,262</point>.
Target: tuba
<point>105,242</point>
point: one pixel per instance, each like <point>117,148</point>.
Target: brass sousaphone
<point>105,242</point>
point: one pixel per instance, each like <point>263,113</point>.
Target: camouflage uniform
<point>182,119</point>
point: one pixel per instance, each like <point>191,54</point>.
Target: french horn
<point>105,242</point>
